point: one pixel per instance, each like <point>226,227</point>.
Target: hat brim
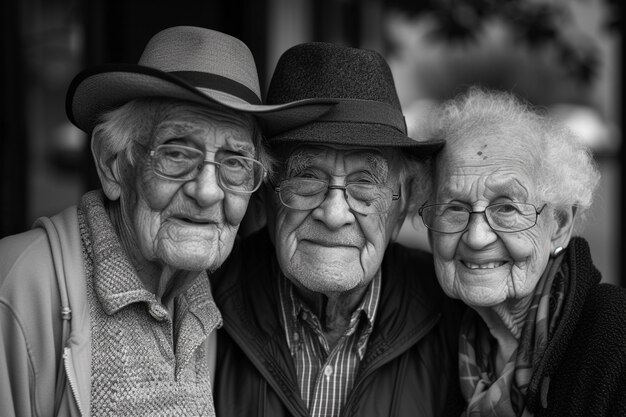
<point>107,87</point>
<point>359,134</point>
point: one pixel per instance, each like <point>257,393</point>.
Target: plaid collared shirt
<point>326,377</point>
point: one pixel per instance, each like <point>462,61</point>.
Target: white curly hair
<point>564,168</point>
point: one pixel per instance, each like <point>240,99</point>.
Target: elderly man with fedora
<point>323,316</point>
<point>105,308</point>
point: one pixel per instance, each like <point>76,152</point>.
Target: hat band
<point>217,82</point>
<point>365,111</point>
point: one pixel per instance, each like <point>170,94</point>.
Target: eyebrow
<point>298,161</point>
<point>509,186</point>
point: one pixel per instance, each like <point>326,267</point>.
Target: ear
<point>403,204</point>
<point>109,174</point>
<point>565,227</point>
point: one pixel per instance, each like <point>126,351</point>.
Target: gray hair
<point>565,171</point>
<point>134,122</point>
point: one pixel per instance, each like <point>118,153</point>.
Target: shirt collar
<point>200,301</point>
<point>294,311</point>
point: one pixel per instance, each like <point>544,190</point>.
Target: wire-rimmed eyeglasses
<point>506,217</point>
<point>238,174</point>
<point>308,194</point>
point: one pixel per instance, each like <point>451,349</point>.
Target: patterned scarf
<point>490,395</point>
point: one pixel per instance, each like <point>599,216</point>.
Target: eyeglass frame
<point>483,212</point>
<point>152,152</point>
<point>394,196</point>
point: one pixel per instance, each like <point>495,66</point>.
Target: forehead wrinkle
<point>188,128</point>
<point>172,129</point>
<point>507,185</point>
<point>489,186</point>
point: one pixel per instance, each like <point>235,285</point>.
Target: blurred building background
<point>563,55</point>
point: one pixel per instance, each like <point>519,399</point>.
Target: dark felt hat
<point>186,63</point>
<point>367,112</point>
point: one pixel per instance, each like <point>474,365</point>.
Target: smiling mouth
<point>488,265</point>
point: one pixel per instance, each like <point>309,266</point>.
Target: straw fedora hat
<point>368,111</point>
<point>187,63</point>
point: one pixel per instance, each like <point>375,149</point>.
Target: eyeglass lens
<point>235,173</point>
<point>307,194</point>
<point>504,217</point>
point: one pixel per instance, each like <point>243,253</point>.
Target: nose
<point>205,189</point>
<point>479,233</point>
<point>334,210</point>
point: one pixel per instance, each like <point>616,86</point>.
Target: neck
<point>173,282</point>
<point>505,322</point>
<point>334,310</point>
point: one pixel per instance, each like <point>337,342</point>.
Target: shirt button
<point>328,371</point>
<point>296,336</point>
<point>157,311</point>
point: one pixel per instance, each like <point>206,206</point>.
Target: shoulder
<point>28,285</point>
<point>249,265</point>
<point>18,254</point>
<point>408,261</point>
<point>413,271</point>
<point>410,272</point>
<point>598,344</point>
<point>413,267</point>
<point>613,295</point>
<point>412,255</point>
<point>27,276</point>
<point>590,377</point>
<point>604,311</point>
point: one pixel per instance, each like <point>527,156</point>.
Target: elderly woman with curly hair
<point>542,336</point>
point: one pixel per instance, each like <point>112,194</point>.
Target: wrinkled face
<point>480,266</point>
<point>331,248</point>
<point>189,225</point>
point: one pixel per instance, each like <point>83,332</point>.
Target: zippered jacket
<point>37,353</point>
<point>410,366</point>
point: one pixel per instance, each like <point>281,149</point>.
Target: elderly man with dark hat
<point>106,309</point>
<point>323,316</point>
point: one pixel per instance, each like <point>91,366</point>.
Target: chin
<point>191,264</point>
<point>481,298</point>
<point>192,259</point>
<point>329,283</point>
